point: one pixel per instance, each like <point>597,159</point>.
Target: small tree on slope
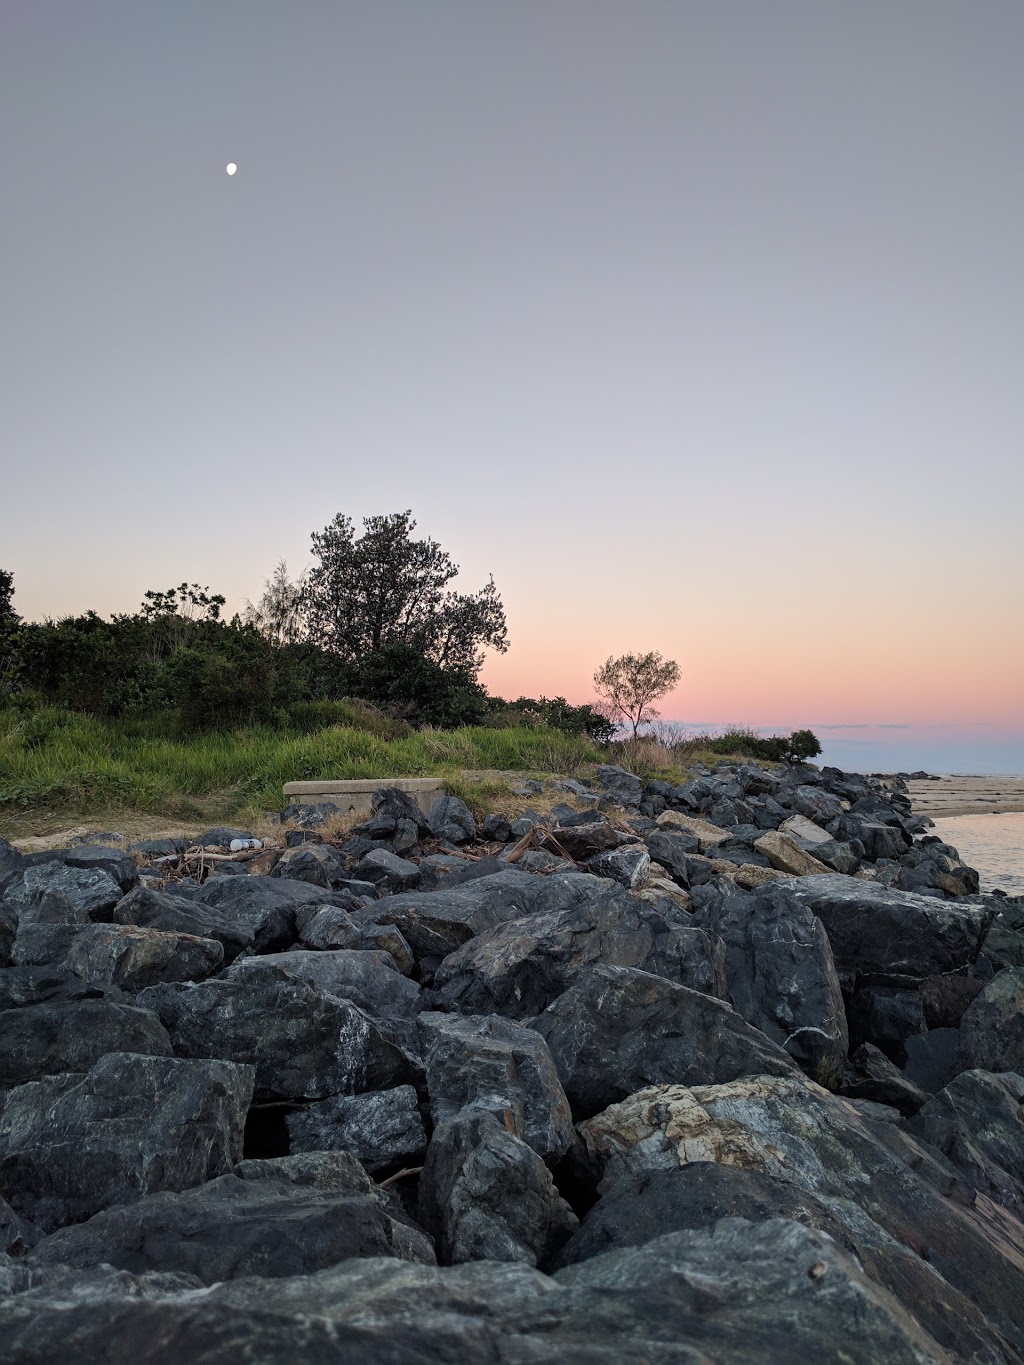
<point>628,686</point>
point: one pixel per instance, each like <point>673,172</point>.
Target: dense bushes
<point>794,748</point>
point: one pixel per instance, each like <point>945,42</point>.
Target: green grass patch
<point>53,760</point>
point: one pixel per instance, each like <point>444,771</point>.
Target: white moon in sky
<point>231,168</point>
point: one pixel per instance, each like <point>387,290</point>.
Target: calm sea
<point>994,844</point>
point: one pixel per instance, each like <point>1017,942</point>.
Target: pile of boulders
<point>724,1071</point>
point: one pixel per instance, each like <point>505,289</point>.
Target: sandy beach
<point>952,795</point>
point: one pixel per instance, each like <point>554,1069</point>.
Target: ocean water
<point>994,844</point>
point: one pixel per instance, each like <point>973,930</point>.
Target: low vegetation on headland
<point>366,666</point>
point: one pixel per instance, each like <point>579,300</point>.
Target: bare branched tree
<point>280,614</point>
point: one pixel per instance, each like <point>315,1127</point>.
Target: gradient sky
<point>699,325</point>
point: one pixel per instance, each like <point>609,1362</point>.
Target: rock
<point>992,1028</point>
<point>436,923</point>
<point>486,1195</point>
<point>486,1062</point>
<point>92,857</point>
<point>381,1128</point>
<point>17,1235</point>
<point>451,819</point>
<point>333,1172</point>
<point>496,829</point>
<point>232,1227</point>
<point>71,1145</point>
<point>871,1076</point>
<point>386,938</point>
<point>1004,942</point>
<point>309,814</point>
<point>886,1016</point>
<point>388,871</point>
<point>785,853</point>
<point>12,865</point>
<point>879,840</point>
<point>750,876</point>
<point>118,954</point>
<point>616,1030</point>
<point>302,1042</point>
<point>316,864</point>
<point>21,986</point>
<point>183,915</point>
<point>220,836</point>
<point>672,850</point>
<point>638,1209</point>
<point>931,1058</point>
<point>52,893</point>
<point>629,866</point>
<point>977,1121</point>
<point>265,905</point>
<point>396,804</point>
<point>814,803</point>
<point>792,1130</point>
<point>327,927</point>
<point>8,933</point>
<point>781,978</point>
<point>706,834</point>
<point>873,929</point>
<point>619,786</point>
<point>369,978</point>
<point>839,857</point>
<point>945,999</point>
<point>520,968</point>
<point>805,831</point>
<point>586,840</point>
<point>72,1035</point>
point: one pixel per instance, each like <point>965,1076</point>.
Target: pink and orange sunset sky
<point>700,326</point>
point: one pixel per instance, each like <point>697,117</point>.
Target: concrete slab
<point>353,795</point>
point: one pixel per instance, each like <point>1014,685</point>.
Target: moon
<point>231,168</point>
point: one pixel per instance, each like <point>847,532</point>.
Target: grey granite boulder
<point>616,1030</point>
<point>487,1062</point>
<point>486,1195</point>
<point>451,819</point>
<point>71,1035</point>
<point>53,893</point>
<point>992,1027</point>
<point>71,1145</point>
<point>873,928</point>
<point>519,968</point>
<point>151,909</point>
<point>265,905</point>
<point>120,955</point>
<point>781,978</point>
<point>380,1128</point>
<point>303,1042</point>
<point>230,1227</point>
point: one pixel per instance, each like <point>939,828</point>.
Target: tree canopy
<point>629,685</point>
<point>384,588</point>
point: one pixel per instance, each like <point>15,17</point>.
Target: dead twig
<point>399,1175</point>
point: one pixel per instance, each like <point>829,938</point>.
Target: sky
<point>698,325</point>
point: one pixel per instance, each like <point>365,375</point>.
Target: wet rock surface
<point>638,1093</point>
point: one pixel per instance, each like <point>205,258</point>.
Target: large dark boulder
<point>71,1145</point>
<point>869,1075</point>
<point>873,929</point>
<point>118,955</point>
<point>519,968</point>
<point>71,1035</point>
<point>781,978</point>
<point>486,1195</point>
<point>8,932</point>
<point>792,1130</point>
<point>977,1121</point>
<point>265,905</point>
<point>619,785</point>
<point>52,893</point>
<point>616,1030</point>
<point>992,1028</point>
<point>367,977</point>
<point>380,1128</point>
<point>303,1042</point>
<point>116,863</point>
<point>21,986</point>
<point>12,865</point>
<point>451,819</point>
<point>491,1063</point>
<point>151,909</point>
<point>232,1227</point>
<point>436,923</point>
<point>1004,942</point>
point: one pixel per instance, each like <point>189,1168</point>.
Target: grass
<point>61,762</point>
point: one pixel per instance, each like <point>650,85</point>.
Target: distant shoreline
<point>950,794</point>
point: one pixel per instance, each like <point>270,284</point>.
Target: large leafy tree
<point>630,685</point>
<point>365,593</point>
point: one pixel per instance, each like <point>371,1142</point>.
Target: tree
<point>385,588</point>
<point>280,614</point>
<point>9,622</point>
<point>8,616</point>
<point>801,745</point>
<point>629,685</point>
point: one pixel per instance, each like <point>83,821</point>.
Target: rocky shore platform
<point>727,1071</point>
<point>952,795</point>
